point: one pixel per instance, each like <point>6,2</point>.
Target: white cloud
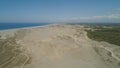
<point>86,19</point>
<point>114,11</point>
<point>112,16</point>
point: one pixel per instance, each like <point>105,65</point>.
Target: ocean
<point>4,26</point>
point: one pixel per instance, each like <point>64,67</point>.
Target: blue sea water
<point>4,26</point>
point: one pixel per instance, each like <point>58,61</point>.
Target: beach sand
<point>64,46</point>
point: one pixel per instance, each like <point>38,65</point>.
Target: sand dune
<point>66,46</point>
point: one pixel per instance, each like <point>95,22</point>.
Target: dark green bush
<point>111,35</point>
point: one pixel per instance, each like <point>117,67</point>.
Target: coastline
<point>10,32</point>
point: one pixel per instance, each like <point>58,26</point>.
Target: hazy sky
<point>59,11</point>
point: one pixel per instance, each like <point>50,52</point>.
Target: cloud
<point>114,11</point>
<point>111,16</point>
<point>88,19</point>
<point>100,18</point>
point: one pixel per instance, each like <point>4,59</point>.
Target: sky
<point>60,11</point>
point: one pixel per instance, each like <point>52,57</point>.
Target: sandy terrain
<point>66,46</point>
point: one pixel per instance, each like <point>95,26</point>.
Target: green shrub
<point>111,35</point>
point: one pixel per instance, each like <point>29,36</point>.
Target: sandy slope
<point>64,46</point>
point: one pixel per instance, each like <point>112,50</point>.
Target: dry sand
<point>66,46</point>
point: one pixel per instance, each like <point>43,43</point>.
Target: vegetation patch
<point>110,34</point>
<point>11,54</point>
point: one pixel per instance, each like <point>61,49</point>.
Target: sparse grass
<point>10,54</point>
<point>29,60</point>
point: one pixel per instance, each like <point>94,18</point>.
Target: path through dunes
<point>62,46</point>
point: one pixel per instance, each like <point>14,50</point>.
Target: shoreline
<point>10,32</point>
<point>23,27</point>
